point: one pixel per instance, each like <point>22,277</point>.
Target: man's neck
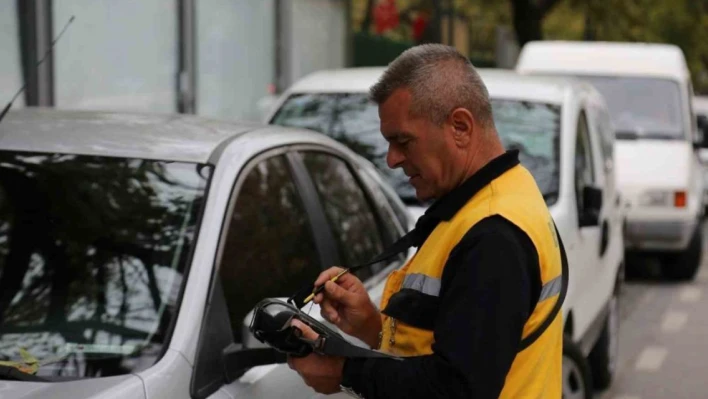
<point>484,154</point>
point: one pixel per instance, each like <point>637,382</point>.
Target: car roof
<point>175,137</point>
<point>507,84</point>
<point>501,83</point>
<point>344,80</point>
<point>603,58</point>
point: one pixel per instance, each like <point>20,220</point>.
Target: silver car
<point>134,247</point>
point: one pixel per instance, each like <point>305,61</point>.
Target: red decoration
<point>385,16</point>
<point>420,23</point>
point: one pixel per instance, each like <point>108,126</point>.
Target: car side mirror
<point>592,204</point>
<point>238,360</point>
<point>219,360</point>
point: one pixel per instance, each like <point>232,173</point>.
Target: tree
<point>679,22</point>
<point>527,18</point>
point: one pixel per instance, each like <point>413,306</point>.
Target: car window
<point>347,209</point>
<point>269,249</point>
<point>94,252</point>
<point>386,210</point>
<point>584,174</point>
<point>352,119</point>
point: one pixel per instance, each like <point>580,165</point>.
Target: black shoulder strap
<point>531,338</point>
<point>338,346</point>
<point>401,245</point>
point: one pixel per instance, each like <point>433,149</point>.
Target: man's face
<point>424,151</point>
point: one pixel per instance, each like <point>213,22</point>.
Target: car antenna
<point>24,85</point>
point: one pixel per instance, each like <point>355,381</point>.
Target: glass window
<point>534,130</point>
<point>642,106</point>
<point>10,67</point>
<point>347,209</point>
<point>269,250</point>
<point>104,60</point>
<point>236,53</point>
<point>382,204</point>
<point>93,254</point>
<point>352,119</point>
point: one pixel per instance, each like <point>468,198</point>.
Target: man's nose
<point>394,157</point>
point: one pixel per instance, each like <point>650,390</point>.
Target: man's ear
<point>463,125</point>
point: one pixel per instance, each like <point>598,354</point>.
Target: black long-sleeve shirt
<point>489,287</point>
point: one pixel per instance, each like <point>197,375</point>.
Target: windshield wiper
<point>14,374</point>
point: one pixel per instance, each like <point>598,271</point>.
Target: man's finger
<point>329,312</point>
<point>338,294</point>
<point>307,332</point>
<point>327,275</point>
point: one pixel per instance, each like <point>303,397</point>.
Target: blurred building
<point>215,57</point>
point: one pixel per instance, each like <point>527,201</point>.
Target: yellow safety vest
<point>536,370</point>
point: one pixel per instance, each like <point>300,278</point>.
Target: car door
<point>361,227</point>
<point>271,245</point>
<point>588,243</point>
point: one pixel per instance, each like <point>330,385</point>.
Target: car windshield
<point>351,118</point>
<point>93,254</point>
<point>646,107</point>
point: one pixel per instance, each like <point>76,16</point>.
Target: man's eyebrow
<point>397,135</point>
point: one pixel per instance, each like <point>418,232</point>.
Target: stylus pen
<point>321,287</point>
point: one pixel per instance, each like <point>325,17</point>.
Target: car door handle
<point>604,237</point>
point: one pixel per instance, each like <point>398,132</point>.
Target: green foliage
<point>680,22</point>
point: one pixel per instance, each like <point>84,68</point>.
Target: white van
<point>649,93</point>
<point>563,132</point>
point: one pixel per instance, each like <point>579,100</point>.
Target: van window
<point>260,257</point>
<point>645,107</point>
<point>584,173</point>
<point>533,129</point>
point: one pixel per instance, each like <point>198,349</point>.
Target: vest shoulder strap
<point>531,338</point>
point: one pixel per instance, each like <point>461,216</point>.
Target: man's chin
<point>423,196</point>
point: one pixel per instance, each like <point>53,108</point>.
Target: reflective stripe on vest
<point>431,286</point>
<point>422,283</point>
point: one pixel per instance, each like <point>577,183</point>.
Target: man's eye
<point>403,141</point>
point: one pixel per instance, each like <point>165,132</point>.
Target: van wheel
<point>683,265</point>
<point>577,380</point>
<point>603,357</point>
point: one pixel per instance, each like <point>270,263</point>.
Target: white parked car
<point>562,129</point>
<point>649,95</point>
<point>134,247</point>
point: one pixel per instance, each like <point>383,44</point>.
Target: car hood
<point>653,163</point>
<point>128,386</point>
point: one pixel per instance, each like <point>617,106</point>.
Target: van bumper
<point>659,235</point>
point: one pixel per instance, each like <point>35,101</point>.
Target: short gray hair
<point>440,79</point>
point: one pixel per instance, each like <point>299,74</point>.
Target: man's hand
<point>321,373</point>
<point>346,304</point>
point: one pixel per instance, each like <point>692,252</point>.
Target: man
<point>488,265</point>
